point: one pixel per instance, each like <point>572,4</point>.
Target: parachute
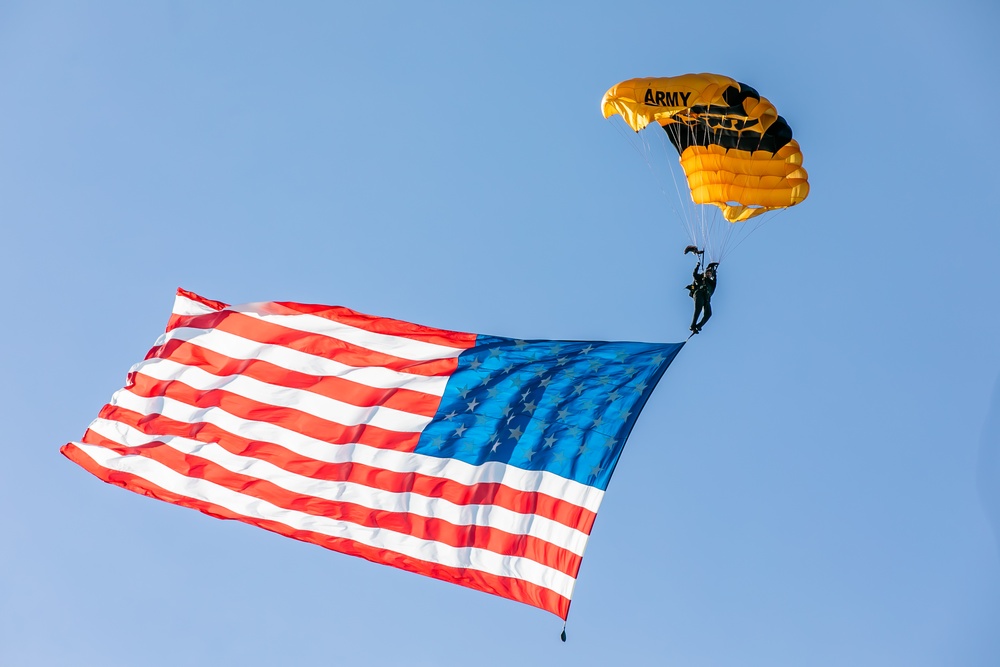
<point>736,152</point>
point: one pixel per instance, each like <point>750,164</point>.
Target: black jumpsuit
<point>702,290</point>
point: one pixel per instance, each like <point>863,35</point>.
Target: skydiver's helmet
<point>713,267</point>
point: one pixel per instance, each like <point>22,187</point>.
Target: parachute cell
<point>737,153</point>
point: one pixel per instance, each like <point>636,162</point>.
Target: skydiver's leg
<point>708,313</point>
<point>699,306</point>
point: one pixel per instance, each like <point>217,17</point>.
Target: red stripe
<point>268,333</point>
<point>361,395</point>
<point>424,528</point>
<point>172,323</point>
<point>214,305</point>
<point>381,325</point>
<point>507,587</point>
<point>289,418</point>
<point>522,502</point>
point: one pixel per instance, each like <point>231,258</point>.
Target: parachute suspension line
<point>707,217</point>
<point>641,145</point>
<point>726,235</point>
<point>751,228</point>
<point>683,194</point>
<point>632,139</point>
<point>764,219</point>
<point>692,220</point>
<point>714,226</point>
<point>676,201</point>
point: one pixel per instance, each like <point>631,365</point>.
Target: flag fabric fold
<point>474,459</point>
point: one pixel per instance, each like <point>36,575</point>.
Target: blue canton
<point>565,407</point>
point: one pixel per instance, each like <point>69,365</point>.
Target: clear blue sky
<point>816,481</point>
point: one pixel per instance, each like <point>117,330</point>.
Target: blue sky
<point>816,480</point>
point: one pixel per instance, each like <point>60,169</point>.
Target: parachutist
<point>701,290</point>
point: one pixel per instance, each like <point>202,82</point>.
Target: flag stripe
<point>269,396</point>
<point>518,479</point>
<point>481,526</point>
<point>504,586</point>
<point>330,386</point>
<point>348,468</point>
<point>391,329</point>
<point>188,304</point>
<point>377,496</point>
<point>240,350</point>
<point>296,332</point>
<point>290,418</point>
<point>379,538</point>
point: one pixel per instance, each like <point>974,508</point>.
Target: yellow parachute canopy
<point>736,151</point>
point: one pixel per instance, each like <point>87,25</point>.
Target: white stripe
<point>238,347</point>
<point>184,306</point>
<point>490,516</point>
<point>380,538</point>
<point>397,346</point>
<point>567,490</point>
<point>323,407</point>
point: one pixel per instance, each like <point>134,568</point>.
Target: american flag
<point>474,459</point>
